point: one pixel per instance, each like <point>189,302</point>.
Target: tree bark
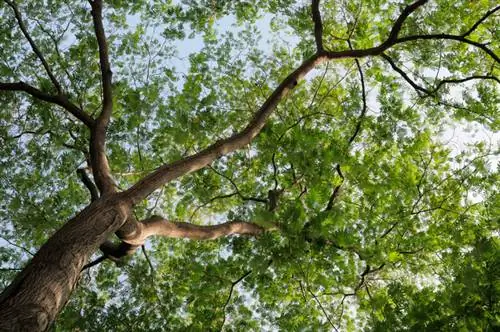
<point>41,290</point>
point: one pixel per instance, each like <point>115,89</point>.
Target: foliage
<point>385,223</point>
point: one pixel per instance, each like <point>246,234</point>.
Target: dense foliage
<point>376,177</point>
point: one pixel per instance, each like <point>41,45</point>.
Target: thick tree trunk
<point>40,291</point>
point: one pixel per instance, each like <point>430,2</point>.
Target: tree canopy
<point>250,165</point>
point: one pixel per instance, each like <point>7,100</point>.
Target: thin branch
<point>440,84</point>
<point>396,28</point>
<point>93,263</point>
<point>35,49</point>
<point>275,171</point>
<point>60,100</point>
<point>449,37</point>
<point>233,284</point>
<point>10,269</point>
<point>17,246</point>
<point>403,74</point>
<point>318,25</point>
<point>238,192</point>
<point>323,310</point>
<point>302,118</point>
<point>151,267</point>
<point>481,20</point>
<point>94,193</point>
<point>336,190</point>
<point>210,201</point>
<point>363,96</point>
<point>461,80</point>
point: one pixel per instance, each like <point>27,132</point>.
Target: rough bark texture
<point>40,291</point>
<point>173,229</point>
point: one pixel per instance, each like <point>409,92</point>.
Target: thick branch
<point>106,74</point>
<point>60,100</point>
<point>99,160</point>
<point>192,163</point>
<point>35,49</point>
<point>396,28</point>
<point>162,227</point>
<point>169,172</point>
<point>318,25</point>
<point>115,251</point>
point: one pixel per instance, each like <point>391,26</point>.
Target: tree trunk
<point>41,290</point>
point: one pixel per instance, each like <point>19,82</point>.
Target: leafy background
<point>409,242</point>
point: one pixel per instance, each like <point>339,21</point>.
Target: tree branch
<point>35,49</point>
<point>169,172</point>
<point>93,263</point>
<point>403,74</point>
<point>60,100</point>
<point>336,190</point>
<point>106,73</point>
<point>140,231</point>
<point>396,28</point>
<point>99,160</point>
<point>238,192</point>
<point>481,20</point>
<point>94,194</point>
<point>17,246</point>
<point>318,25</point>
<point>151,267</point>
<point>233,284</point>
<point>363,96</point>
<point>449,37</point>
<point>440,84</point>
<point>461,80</point>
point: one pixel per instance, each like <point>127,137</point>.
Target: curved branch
<point>233,284</point>
<point>60,100</point>
<point>462,80</point>
<point>396,28</point>
<point>94,194</point>
<point>93,263</point>
<point>99,160</point>
<point>481,20</point>
<point>163,227</point>
<point>169,172</point>
<point>363,96</point>
<point>449,37</point>
<point>403,74</point>
<point>318,25</point>
<point>35,49</point>
<point>238,192</point>
<point>440,84</point>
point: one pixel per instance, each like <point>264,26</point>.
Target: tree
<point>331,201</point>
